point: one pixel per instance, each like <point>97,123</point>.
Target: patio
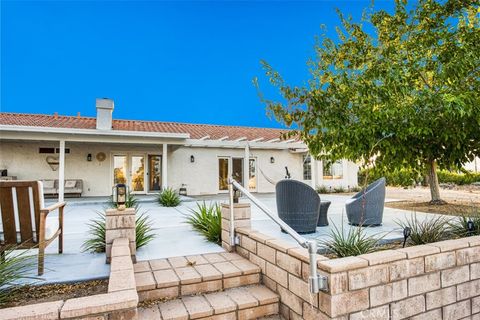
<point>174,237</point>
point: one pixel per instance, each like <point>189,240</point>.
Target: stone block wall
<point>119,303</point>
<point>120,224</point>
<point>435,281</point>
<point>242,216</point>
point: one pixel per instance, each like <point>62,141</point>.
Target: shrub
<point>459,225</point>
<point>96,239</point>
<point>322,189</point>
<point>14,266</point>
<point>355,189</point>
<point>431,229</point>
<point>399,177</point>
<point>353,242</point>
<point>339,189</point>
<point>131,201</point>
<point>468,177</point>
<point>169,198</point>
<point>207,219</point>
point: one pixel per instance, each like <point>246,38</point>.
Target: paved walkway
<point>175,237</point>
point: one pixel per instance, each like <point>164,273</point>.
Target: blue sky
<point>168,61</point>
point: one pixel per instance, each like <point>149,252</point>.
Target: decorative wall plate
<point>53,162</point>
<point>101,156</point>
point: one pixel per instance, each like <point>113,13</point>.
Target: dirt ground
<point>52,292</point>
<point>460,200</point>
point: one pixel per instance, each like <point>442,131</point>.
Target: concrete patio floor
<point>175,238</point>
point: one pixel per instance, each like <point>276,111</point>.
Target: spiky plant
<point>131,201</point>
<point>322,189</point>
<point>96,233</point>
<point>431,229</point>
<point>353,242</point>
<point>459,226</point>
<point>169,198</point>
<point>15,265</point>
<point>207,219</point>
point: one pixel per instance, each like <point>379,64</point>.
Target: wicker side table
<point>323,216</point>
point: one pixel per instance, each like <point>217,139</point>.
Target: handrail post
<point>316,282</point>
<point>232,214</point>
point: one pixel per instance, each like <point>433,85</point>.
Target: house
<point>150,155</point>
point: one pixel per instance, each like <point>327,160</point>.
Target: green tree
<point>406,94</point>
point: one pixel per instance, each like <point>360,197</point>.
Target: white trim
<point>241,144</point>
<point>257,139</point>
<point>205,138</point>
<point>240,139</point>
<point>95,132</point>
<point>223,138</point>
<point>61,172</point>
<point>164,166</point>
<point>273,140</point>
<point>289,141</point>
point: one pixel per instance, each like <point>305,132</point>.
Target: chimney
<point>104,113</point>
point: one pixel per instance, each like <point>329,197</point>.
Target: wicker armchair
<point>366,207</point>
<point>298,205</point>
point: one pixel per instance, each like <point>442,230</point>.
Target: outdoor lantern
<point>192,159</point>
<point>470,227</point>
<point>406,233</point>
<point>121,195</point>
<point>236,195</point>
<point>89,157</point>
<point>272,160</point>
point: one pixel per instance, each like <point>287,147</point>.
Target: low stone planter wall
<point>119,303</point>
<point>435,281</point>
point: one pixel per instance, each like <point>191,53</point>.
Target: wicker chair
<point>366,207</point>
<point>298,205</point>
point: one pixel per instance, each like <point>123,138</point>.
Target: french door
<point>131,169</point>
<point>233,166</point>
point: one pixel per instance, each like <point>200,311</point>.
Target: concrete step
<point>181,276</point>
<point>249,302</point>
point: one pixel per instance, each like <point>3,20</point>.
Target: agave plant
<point>96,239</point>
<point>130,202</point>
<point>15,265</point>
<point>353,242</point>
<point>169,198</point>
<point>428,230</point>
<point>207,219</point>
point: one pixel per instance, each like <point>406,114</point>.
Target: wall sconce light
<point>89,157</point>
<point>192,159</point>
<point>272,160</point>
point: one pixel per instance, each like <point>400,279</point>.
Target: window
<point>332,170</point>
<point>52,150</point>
<point>307,167</point>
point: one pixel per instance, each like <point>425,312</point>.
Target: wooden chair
<point>22,228</point>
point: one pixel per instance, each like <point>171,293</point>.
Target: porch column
<point>246,166</point>
<point>164,166</point>
<point>61,171</point>
<point>313,171</point>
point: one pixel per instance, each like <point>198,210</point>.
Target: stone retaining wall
<point>435,281</point>
<point>119,303</point>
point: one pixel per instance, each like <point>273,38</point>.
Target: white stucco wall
<point>201,177</point>
<point>22,159</point>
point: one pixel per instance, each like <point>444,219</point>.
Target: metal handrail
<point>294,234</point>
<point>316,282</point>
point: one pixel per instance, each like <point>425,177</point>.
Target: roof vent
<point>104,113</point>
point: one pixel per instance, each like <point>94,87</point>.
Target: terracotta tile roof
<point>196,131</point>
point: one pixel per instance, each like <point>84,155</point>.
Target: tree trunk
<point>433,182</point>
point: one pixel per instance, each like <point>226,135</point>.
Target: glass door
<point>154,172</point>
<point>137,173</point>
<point>252,175</point>
<point>223,171</point>
<point>237,169</point>
<point>119,169</point>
